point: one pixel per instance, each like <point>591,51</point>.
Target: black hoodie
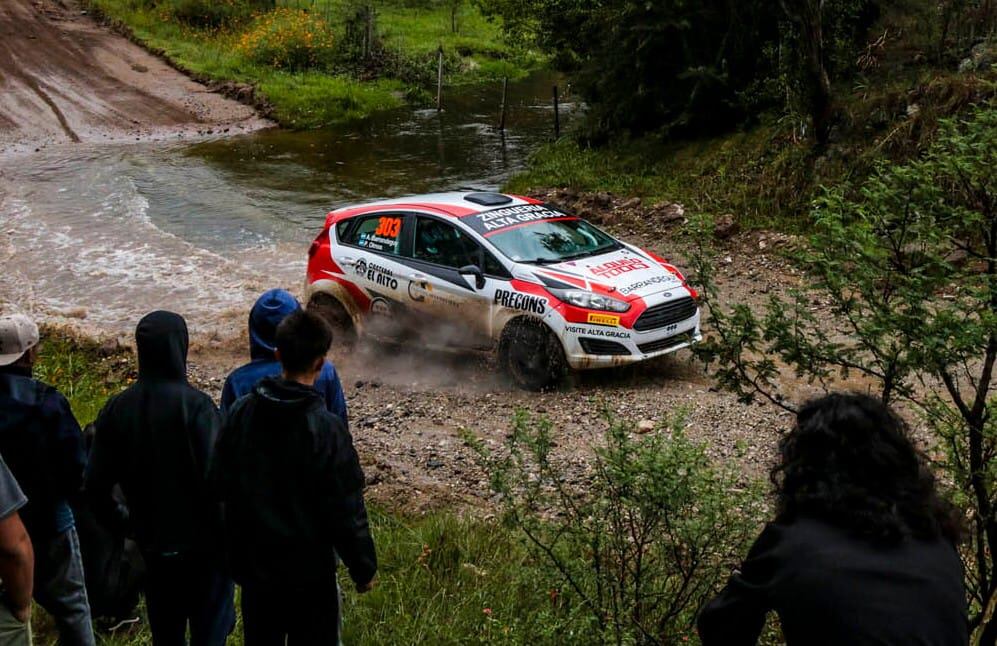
<point>291,489</point>
<point>155,440</point>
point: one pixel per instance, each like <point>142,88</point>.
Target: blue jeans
<point>60,588</point>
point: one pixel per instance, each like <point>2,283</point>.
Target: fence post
<point>557,115</point>
<point>439,81</point>
<point>505,92</point>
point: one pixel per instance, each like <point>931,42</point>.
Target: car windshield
<point>551,241</point>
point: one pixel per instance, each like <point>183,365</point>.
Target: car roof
<point>454,203</point>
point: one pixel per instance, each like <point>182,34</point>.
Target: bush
<point>905,265</point>
<point>644,543</point>
<point>210,14</point>
<point>289,39</point>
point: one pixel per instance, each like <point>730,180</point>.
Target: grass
<point>311,99</point>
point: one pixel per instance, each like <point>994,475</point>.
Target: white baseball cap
<point>18,334</point>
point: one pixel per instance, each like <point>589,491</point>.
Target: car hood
<point>627,272</point>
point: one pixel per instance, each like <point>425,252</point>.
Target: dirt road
<point>65,78</point>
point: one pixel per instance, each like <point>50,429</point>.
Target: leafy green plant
<point>289,39</point>
<point>644,542</point>
<point>210,14</point>
<point>906,265</point>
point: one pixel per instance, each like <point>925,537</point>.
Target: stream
<point>101,234</point>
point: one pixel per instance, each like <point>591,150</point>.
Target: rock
<point>646,426</point>
<point>632,203</point>
<point>725,227</point>
<point>982,57</point>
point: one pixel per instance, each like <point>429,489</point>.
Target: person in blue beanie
<point>270,309</point>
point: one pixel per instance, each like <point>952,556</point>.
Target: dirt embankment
<point>64,78</point>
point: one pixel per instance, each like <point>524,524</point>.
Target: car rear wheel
<point>532,355</point>
<point>343,331</point>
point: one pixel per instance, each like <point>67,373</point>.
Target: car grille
<point>666,314</point>
<point>603,347</point>
<point>668,342</point>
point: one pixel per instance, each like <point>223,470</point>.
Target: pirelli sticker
<point>604,319</point>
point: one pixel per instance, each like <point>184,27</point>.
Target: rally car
<point>546,289</point>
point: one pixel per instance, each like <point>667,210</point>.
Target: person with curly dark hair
<point>863,549</point>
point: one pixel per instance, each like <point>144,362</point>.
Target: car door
<point>458,305</point>
<point>372,255</point>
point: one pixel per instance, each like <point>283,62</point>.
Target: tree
<point>808,19</point>
<point>907,263</point>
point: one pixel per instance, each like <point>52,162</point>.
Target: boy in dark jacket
<point>269,310</point>
<point>155,441</point>
<point>292,494</point>
<point>43,446</point>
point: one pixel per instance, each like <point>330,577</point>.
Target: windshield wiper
<point>543,261</point>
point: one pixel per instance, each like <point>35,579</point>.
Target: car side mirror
<point>473,270</point>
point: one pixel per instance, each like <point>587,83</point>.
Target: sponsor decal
<point>604,319</point>
<point>650,282</point>
<point>498,219</point>
<point>615,268</point>
<point>520,301</point>
<point>377,274</point>
<point>380,307</point>
<point>595,331</point>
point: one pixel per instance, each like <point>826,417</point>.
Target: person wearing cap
<point>17,564</point>
<point>155,441</point>
<point>42,444</point>
<point>270,309</point>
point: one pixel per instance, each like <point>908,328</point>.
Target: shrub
<point>210,14</point>
<point>644,542</point>
<point>906,264</point>
<point>289,39</point>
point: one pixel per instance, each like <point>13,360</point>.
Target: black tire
<point>343,331</point>
<point>532,355</point>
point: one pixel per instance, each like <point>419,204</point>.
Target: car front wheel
<point>532,355</point>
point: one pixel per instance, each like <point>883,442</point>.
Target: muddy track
<point>66,79</point>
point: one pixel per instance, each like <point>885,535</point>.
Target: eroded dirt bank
<point>64,78</point>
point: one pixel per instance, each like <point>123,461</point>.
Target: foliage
<point>288,39</point>
<point>209,13</point>
<point>644,543</point>
<point>907,263</point>
<point>684,67</point>
<point>81,372</point>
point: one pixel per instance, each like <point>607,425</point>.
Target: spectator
<point>112,562</point>
<point>155,441</point>
<point>17,565</point>
<point>43,446</point>
<point>292,497</point>
<point>270,309</point>
<point>863,548</point>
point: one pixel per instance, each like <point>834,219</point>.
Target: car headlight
<point>590,301</point>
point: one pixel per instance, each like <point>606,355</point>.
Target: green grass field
<point>309,99</point>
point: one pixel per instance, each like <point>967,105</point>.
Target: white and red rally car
<point>489,271</point>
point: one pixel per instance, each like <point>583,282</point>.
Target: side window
<point>493,267</point>
<point>444,244</point>
<point>341,228</point>
<point>381,233</point>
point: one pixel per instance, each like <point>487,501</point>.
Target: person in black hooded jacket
<point>292,497</point>
<point>155,441</point>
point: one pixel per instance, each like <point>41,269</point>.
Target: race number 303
<point>389,227</point>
